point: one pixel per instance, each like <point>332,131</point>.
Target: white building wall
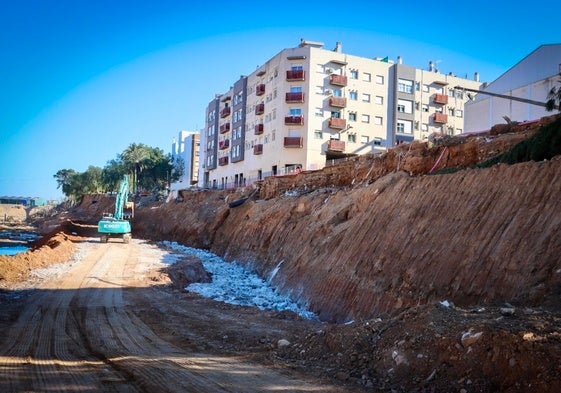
<point>531,78</point>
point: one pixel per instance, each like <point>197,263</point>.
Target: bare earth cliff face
<point>389,240</point>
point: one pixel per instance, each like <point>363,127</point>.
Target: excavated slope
<point>476,236</point>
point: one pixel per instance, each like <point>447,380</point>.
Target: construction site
<point>433,267</point>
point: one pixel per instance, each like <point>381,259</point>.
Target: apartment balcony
<point>258,149</point>
<point>260,89</point>
<point>224,128</point>
<point>440,99</point>
<point>335,145</point>
<point>294,97</point>
<point>259,109</point>
<point>225,112</point>
<point>291,141</point>
<point>440,118</point>
<point>224,144</point>
<point>294,120</point>
<point>259,128</point>
<point>295,75</point>
<point>338,80</point>
<point>223,161</point>
<point>338,102</point>
<point>337,123</point>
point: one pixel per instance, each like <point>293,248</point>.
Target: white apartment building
<point>308,105</point>
<point>187,146</point>
<point>530,79</point>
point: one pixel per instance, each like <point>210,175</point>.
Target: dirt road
<point>108,323</point>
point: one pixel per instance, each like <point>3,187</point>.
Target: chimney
<point>399,61</point>
<point>476,77</point>
<point>338,47</point>
<point>431,66</point>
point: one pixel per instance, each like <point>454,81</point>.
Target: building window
<point>352,116</point>
<point>450,92</point>
<point>378,120</point>
<point>365,118</point>
<point>404,127</point>
<point>351,138</point>
<point>364,139</point>
<point>336,114</point>
<point>404,106</point>
<point>354,74</point>
<point>319,112</point>
<point>379,100</point>
<point>378,141</point>
<point>459,113</point>
<point>296,89</point>
<point>295,112</point>
<point>459,94</point>
<point>318,134</point>
<point>380,79</point>
<point>450,111</point>
<point>400,108</point>
<point>458,130</point>
<point>424,127</point>
<point>353,95</point>
<point>337,93</point>
<point>426,88</point>
<point>365,97</point>
<point>367,77</point>
<point>405,86</point>
<point>425,108</point>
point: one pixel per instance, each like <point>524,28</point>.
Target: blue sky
<point>82,80</point>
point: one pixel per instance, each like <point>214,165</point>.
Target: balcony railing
<point>224,128</point>
<point>294,120</point>
<point>291,141</point>
<point>224,144</point>
<point>339,102</point>
<point>294,97</point>
<point>440,118</point>
<point>259,128</point>
<point>258,149</point>
<point>339,80</point>
<point>337,123</point>
<point>259,109</point>
<point>223,161</point>
<point>295,75</point>
<point>225,112</point>
<point>260,90</point>
<point>335,145</point>
<point>440,99</point>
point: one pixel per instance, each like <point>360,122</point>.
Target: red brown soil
<point>376,241</point>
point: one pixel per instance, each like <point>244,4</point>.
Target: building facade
<point>308,105</point>
<point>531,79</point>
<point>187,147</point>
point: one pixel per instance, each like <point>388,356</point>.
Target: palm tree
<point>133,158</point>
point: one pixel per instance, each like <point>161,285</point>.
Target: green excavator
<point>118,224</point>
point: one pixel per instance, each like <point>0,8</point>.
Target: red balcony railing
<point>294,120</point>
<point>295,75</point>
<point>224,144</point>
<point>260,90</point>
<point>259,109</point>
<point>224,128</point>
<point>440,99</point>
<point>291,141</point>
<point>338,80</point>
<point>335,145</point>
<point>294,97</point>
<point>223,161</point>
<point>337,123</point>
<point>440,118</point>
<point>225,112</point>
<point>259,128</point>
<point>258,149</point>
<point>339,102</point>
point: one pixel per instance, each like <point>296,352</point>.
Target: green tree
<point>113,175</point>
<point>134,158</point>
<point>64,178</point>
<point>554,98</point>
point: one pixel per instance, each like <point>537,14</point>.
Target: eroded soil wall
<point>473,237</point>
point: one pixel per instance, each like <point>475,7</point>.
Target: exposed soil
<point>443,283</point>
